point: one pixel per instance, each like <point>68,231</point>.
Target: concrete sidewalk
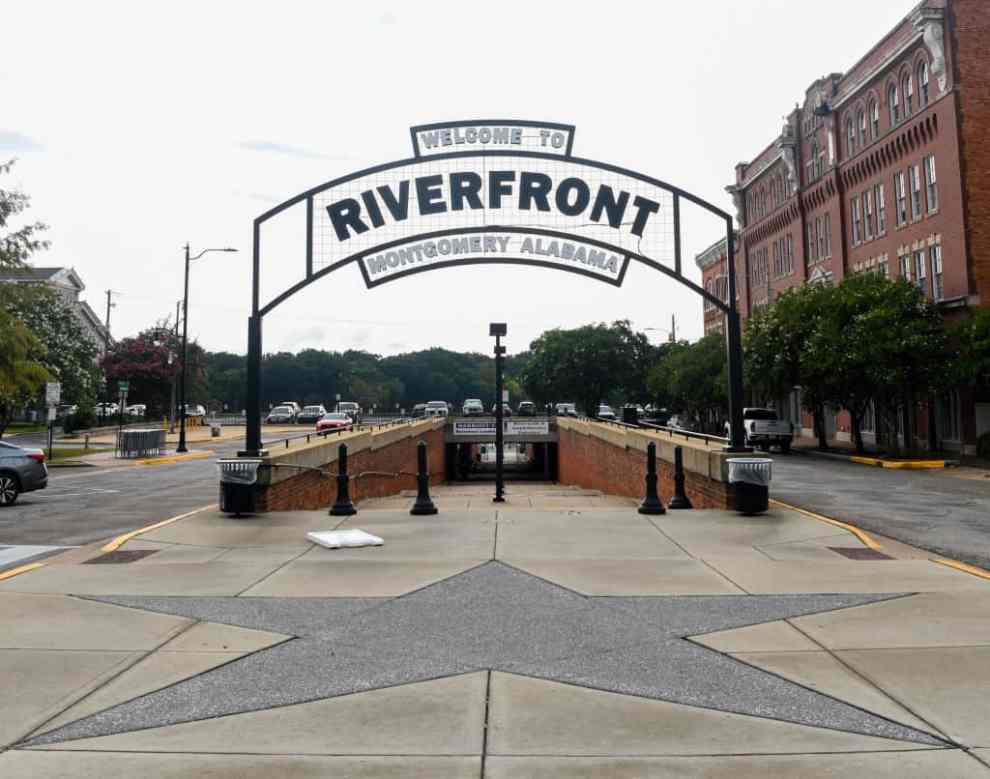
<point>560,635</point>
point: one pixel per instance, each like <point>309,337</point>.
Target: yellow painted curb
<point>175,458</point>
<point>119,541</point>
<point>965,568</point>
<point>908,465</point>
<point>18,571</point>
<point>864,537</point>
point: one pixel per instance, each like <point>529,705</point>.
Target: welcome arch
<point>491,192</point>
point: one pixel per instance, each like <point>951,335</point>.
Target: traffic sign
<point>53,393</point>
<point>123,386</point>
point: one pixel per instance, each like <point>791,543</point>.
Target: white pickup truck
<point>765,429</point>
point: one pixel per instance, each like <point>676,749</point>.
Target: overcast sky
<point>141,127</point>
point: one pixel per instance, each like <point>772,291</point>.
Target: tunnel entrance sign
<point>489,192</point>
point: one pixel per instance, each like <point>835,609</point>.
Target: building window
<point>878,195</point>
<point>923,84</point>
<point>915,172</point>
<point>938,291</point>
<point>893,105</point>
<point>850,138</point>
<point>882,267</point>
<point>948,415</point>
<point>904,261</point>
<point>920,275</point>
<point>907,87</point>
<point>869,215</point>
<point>868,422</point>
<point>875,119</point>
<point>790,254</point>
<point>930,183</point>
<point>861,121</point>
<point>812,246</point>
<point>827,233</point>
<point>710,288</point>
<point>900,194</point>
<point>857,222</point>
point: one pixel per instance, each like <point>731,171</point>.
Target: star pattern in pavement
<point>491,617</point>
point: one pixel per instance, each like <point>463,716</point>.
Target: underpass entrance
<point>529,449</point>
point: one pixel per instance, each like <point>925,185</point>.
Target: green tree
<point>774,345</point>
<point>880,341</point>
<point>693,379</point>
<point>972,339</point>
<point>69,354</point>
<point>21,372</point>
<point>589,364</point>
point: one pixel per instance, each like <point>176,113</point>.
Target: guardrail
<point>363,426</point>
<point>671,431</point>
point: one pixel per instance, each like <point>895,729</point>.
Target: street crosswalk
<point>16,555</point>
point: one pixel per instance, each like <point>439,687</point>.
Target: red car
<point>333,421</point>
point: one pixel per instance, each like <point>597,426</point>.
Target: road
<point>83,505</point>
<point>935,510</point>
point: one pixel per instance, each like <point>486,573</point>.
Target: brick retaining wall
<point>369,456</point>
<point>613,460</point>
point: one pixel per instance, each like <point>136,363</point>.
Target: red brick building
<point>883,168</point>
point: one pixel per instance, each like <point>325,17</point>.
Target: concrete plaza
<point>561,634</point>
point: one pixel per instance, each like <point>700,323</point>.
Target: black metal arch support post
<point>253,444</point>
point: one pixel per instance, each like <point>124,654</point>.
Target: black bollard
<point>651,503</point>
<point>343,507</point>
<point>423,504</point>
<point>680,499</point>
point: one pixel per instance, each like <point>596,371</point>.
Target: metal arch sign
<point>492,192</point>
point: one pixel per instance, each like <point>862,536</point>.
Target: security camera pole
<point>498,329</point>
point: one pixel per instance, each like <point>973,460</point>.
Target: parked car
<point>106,409</point>
<point>506,409</point>
<point>281,415</point>
<point>419,410</point>
<point>605,412</point>
<point>566,410</point>
<point>136,410</point>
<point>765,429</point>
<point>473,408</point>
<point>682,422</point>
<point>436,408</point>
<point>352,409</point>
<point>310,414</point>
<point>195,410</point>
<point>22,469</point>
<point>334,420</point>
<point>526,408</point>
<point>293,405</point>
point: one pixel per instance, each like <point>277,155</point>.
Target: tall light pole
<point>498,329</point>
<point>185,332</point>
<point>672,332</point>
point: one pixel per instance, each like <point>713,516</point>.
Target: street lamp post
<point>498,329</point>
<point>185,332</point>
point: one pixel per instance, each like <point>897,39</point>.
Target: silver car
<point>21,470</point>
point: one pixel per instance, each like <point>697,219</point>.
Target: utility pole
<point>110,304</point>
<point>673,328</point>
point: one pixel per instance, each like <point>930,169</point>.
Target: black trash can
<point>630,415</point>
<point>238,485</point>
<point>750,480</point>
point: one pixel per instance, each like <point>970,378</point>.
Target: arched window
<point>850,137</point>
<point>893,105</point>
<point>875,119</point>
<point>923,83</point>
<point>907,87</point>
<point>861,121</point>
